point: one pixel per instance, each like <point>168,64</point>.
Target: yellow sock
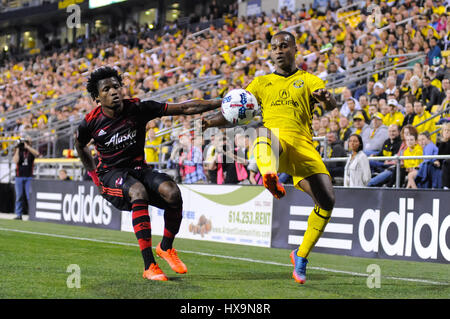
<point>264,155</point>
<point>317,221</point>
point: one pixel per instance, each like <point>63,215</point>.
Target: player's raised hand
<point>322,95</point>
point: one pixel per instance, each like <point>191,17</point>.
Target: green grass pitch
<point>35,259</point>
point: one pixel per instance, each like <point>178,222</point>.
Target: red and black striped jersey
<point>119,141</point>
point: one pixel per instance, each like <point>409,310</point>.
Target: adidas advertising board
<point>72,202</point>
<point>390,224</point>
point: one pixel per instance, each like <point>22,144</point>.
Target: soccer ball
<point>239,106</point>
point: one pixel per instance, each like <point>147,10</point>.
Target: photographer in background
<point>24,156</point>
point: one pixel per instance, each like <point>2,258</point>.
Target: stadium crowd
<point>383,110</point>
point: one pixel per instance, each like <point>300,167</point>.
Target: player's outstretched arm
<point>217,120</point>
<point>192,107</point>
<point>323,95</point>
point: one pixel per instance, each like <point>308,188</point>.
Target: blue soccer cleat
<point>299,273</point>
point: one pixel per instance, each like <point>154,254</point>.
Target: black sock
<point>172,222</point>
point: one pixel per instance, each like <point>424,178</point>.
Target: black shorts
<point>117,182</point>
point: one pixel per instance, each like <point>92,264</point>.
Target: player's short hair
<point>290,35</point>
<point>98,74</point>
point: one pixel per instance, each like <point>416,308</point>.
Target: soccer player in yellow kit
<point>284,143</point>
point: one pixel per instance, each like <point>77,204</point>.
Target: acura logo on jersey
<point>284,94</point>
<point>117,139</point>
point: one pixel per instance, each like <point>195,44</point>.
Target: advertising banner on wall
<point>391,224</point>
<point>73,203</point>
<point>253,7</point>
<point>229,214</point>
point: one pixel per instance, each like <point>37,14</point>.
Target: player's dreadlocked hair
<point>101,73</point>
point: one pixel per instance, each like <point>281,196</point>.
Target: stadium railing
<point>396,158</point>
<point>407,20</point>
<point>49,168</point>
<point>367,70</point>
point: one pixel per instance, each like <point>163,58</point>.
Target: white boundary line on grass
<point>224,256</point>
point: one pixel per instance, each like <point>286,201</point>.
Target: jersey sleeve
<point>253,89</point>
<point>83,134</point>
<point>151,109</point>
<point>315,83</point>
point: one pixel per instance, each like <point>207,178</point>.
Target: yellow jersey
<point>429,126</point>
<point>286,101</point>
<point>396,118</point>
<point>415,151</point>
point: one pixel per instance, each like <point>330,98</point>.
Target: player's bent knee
<point>137,191</point>
<point>328,201</point>
<point>170,192</point>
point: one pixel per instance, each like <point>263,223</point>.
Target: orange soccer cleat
<point>154,273</point>
<point>171,256</point>
<point>271,182</point>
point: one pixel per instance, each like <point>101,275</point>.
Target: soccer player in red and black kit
<point>117,126</point>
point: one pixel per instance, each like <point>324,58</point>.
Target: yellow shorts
<point>299,159</point>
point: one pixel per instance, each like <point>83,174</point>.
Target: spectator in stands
<point>357,169</point>
<point>391,146</point>
<point>152,144</point>
<point>359,125</point>
<point>352,108</point>
<point>210,164</point>
<point>391,87</point>
<point>239,161</point>
<point>62,174</point>
<point>375,136</point>
<point>364,103</point>
<point>445,86</point>
<point>409,114</point>
<point>388,176</point>
<point>345,129</point>
<point>24,156</point>
<point>434,54</point>
<point>444,149</point>
<point>379,91</point>
<point>190,161</point>
<point>346,95</point>
<point>373,108</point>
<point>394,116</point>
<point>414,87</point>
<point>411,166</point>
<point>315,125</point>
<point>421,116</point>
<point>430,94</point>
<point>428,176</point>
<point>335,148</point>
<point>445,105</point>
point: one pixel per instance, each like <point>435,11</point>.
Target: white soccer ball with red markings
<point>239,106</point>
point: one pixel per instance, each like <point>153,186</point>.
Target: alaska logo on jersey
<point>117,138</point>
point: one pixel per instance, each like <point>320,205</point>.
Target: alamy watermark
<point>374,278</point>
<point>74,18</point>
<point>74,279</point>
